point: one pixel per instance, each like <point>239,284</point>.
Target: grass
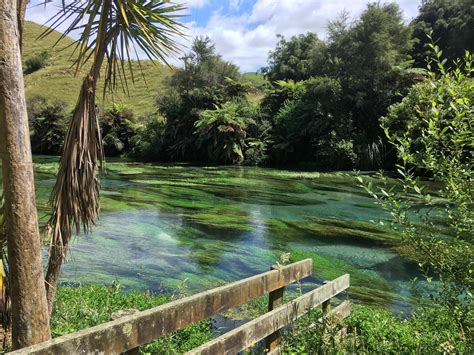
<point>82,307</point>
<point>56,81</point>
<point>376,331</point>
<point>369,330</point>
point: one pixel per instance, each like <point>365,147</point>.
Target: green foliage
<point>369,60</point>
<point>205,82</point>
<point>437,138</point>
<point>298,58</point>
<point>259,138</point>
<point>377,331</point>
<point>149,142</point>
<point>370,57</point>
<point>36,62</point>
<point>451,24</point>
<point>48,125</point>
<point>118,126</point>
<point>222,132</point>
<point>312,126</point>
<point>82,307</point>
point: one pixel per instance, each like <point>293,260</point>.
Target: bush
<point>118,126</point>
<point>434,133</point>
<point>48,125</point>
<point>36,63</point>
<point>222,132</point>
<point>82,307</point>
<point>149,143</point>
<point>206,81</point>
<point>378,331</point>
<point>311,126</point>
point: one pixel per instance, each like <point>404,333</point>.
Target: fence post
<point>326,309</point>
<point>326,306</point>
<point>275,299</point>
<point>124,313</point>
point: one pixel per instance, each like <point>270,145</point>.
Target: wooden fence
<point>126,334</point>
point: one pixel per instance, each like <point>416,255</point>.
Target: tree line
<point>322,104</point>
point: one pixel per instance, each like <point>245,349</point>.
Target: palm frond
<point>147,26</point>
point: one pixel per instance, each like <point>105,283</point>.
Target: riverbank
<point>369,329</point>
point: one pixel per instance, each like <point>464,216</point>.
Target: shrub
<point>206,81</point>
<point>379,331</point>
<point>48,125</point>
<point>312,127</point>
<point>149,143</point>
<point>118,126</point>
<point>223,131</point>
<point>436,136</point>
<point>36,63</point>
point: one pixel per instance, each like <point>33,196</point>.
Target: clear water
<point>166,228</point>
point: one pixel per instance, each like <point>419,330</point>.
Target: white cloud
<point>246,39</point>
<point>194,3</point>
<point>235,4</point>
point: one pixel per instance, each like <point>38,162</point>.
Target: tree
<point>451,24</point>
<point>108,29</point>
<point>30,318</point>
<point>371,59</point>
<point>206,81</point>
<point>298,58</point>
<point>222,132</point>
<point>312,127</point>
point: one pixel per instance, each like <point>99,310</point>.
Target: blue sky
<point>244,31</point>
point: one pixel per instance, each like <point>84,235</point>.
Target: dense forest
<point>320,105</point>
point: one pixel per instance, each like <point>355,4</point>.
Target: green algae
<point>168,227</point>
<point>347,230</point>
<point>365,287</point>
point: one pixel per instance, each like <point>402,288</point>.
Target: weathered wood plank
<point>131,331</point>
<point>252,332</point>
<point>275,299</point>
<point>338,313</point>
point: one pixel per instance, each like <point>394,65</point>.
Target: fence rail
<point>258,329</point>
<point>128,333</point>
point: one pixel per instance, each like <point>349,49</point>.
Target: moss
<point>330,268</point>
<point>346,230</point>
<point>222,219</point>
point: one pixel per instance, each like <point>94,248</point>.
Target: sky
<point>244,31</point>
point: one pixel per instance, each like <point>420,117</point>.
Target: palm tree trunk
<point>76,193</point>
<point>84,118</point>
<point>30,318</point>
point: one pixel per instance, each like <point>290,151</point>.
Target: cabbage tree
<point>111,34</point>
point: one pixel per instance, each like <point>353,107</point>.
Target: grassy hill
<point>56,80</point>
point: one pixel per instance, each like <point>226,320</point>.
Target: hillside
<point>56,80</point>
